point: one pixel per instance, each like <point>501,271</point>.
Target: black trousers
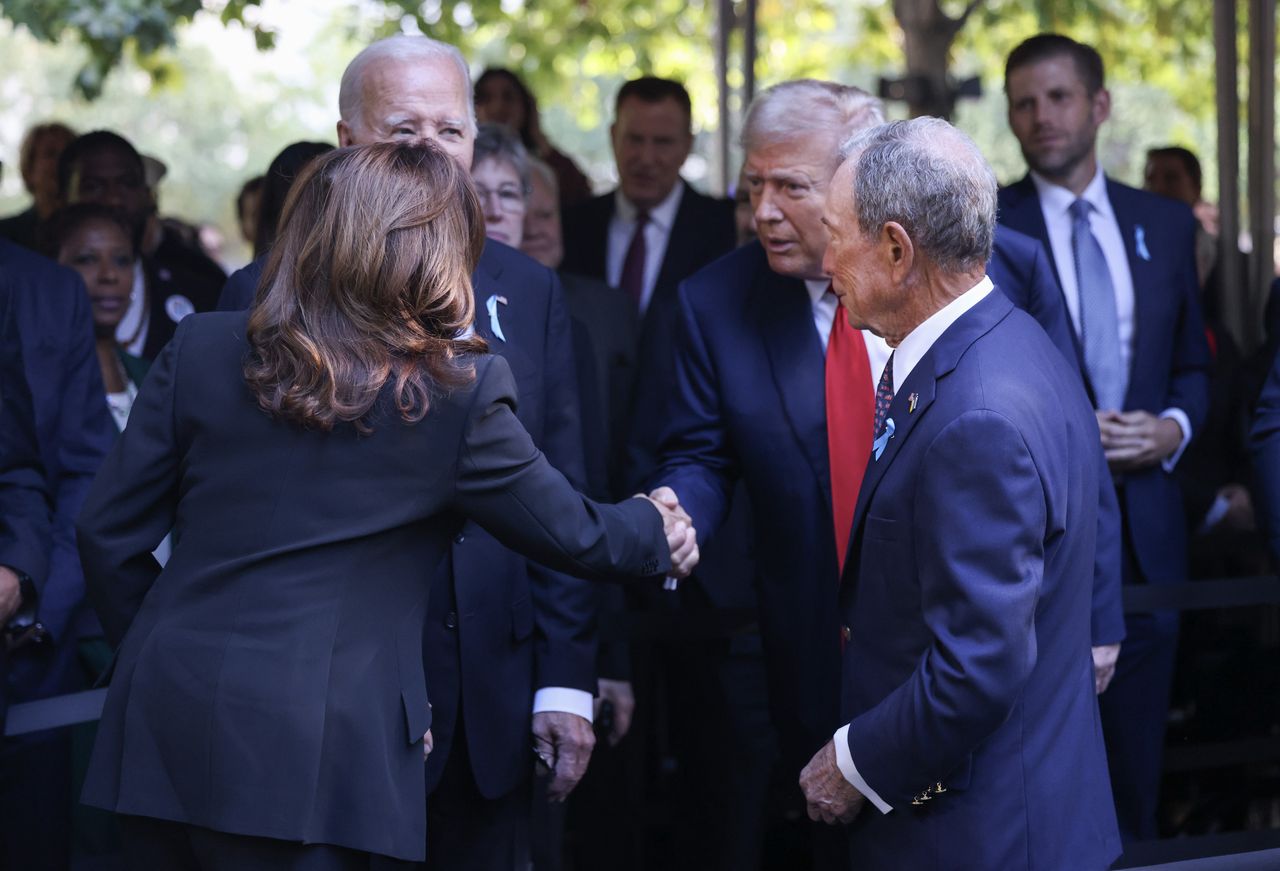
<point>160,845</point>
<point>468,832</point>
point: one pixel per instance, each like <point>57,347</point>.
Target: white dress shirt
<point>910,351</point>
<point>657,233</point>
<point>825,306</point>
<point>1055,205</point>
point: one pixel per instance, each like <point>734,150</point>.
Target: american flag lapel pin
<point>911,403</point>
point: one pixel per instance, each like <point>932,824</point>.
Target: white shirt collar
<point>817,288</point>
<point>1056,200</point>
<point>663,215</point>
<point>916,344</point>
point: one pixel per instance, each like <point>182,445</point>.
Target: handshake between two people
<point>682,538</point>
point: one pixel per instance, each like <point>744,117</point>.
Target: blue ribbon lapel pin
<point>492,305</point>
<point>878,446</point>
<point>1140,242</point>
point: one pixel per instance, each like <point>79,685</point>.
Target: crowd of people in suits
<point>942,650</point>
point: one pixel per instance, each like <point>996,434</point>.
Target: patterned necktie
<point>1099,324</point>
<point>884,395</point>
<point>632,280</point>
<point>849,413</point>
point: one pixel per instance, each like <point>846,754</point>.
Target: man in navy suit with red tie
<point>774,389</point>
<point>967,694</point>
<point>1125,260</point>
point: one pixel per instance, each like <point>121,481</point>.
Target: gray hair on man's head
<point>500,143</point>
<point>929,177</point>
<point>543,170</point>
<point>402,47</point>
<point>805,107</point>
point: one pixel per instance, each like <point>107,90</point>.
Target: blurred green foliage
<point>216,88</point>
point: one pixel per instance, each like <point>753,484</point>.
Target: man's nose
<point>766,211</point>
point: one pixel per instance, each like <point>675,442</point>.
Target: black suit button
<point>451,620</point>
<point>459,538</point>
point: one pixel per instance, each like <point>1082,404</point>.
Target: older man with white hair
<point>968,687</point>
<point>775,390</point>
<point>520,643</point>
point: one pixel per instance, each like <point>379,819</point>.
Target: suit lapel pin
<point>911,403</point>
<point>878,446</point>
<point>1140,242</point>
<point>492,305</point>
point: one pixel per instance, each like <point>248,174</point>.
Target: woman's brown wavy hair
<point>369,282</point>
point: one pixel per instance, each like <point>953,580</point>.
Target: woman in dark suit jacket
<point>313,457</point>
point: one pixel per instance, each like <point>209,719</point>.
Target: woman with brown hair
<point>268,706</point>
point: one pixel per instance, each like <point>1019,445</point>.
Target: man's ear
<point>899,252</point>
<point>344,135</point>
<point>1101,105</point>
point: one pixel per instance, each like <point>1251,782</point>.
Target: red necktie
<point>632,279</point>
<point>850,411</point>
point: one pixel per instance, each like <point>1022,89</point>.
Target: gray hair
<point>806,107</point>
<point>402,47</point>
<point>499,142</point>
<point>543,170</point>
<point>929,177</point>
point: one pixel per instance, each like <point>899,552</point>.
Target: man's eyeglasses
<point>510,197</point>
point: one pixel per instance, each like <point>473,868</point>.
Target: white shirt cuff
<point>844,759</point>
<point>564,700</point>
<point>1178,416</point>
<point>1214,515</point>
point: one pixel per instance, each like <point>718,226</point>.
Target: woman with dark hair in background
<point>268,706</point>
<point>286,167</point>
<point>501,98</point>
<point>96,242</point>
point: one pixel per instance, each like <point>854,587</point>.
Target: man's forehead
<point>393,82</point>
<point>1055,71</point>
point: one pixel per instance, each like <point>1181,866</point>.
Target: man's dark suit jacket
<point>24,497</point>
<point>703,230</point>
<point>519,626</point>
<point>269,681</point>
<point>749,404</point>
<point>21,228</point>
<point>73,424</point>
<point>606,358</point>
<point>177,276</point>
<point>965,599</point>
<point>1170,362</point>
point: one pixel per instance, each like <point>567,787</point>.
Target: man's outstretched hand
<point>682,538</point>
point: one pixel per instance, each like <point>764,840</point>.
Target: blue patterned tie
<point>1099,324</point>
<point>884,395</point>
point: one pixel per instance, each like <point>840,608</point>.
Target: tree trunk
<point>928,33</point>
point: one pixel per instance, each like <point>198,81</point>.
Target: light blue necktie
<point>1099,324</point>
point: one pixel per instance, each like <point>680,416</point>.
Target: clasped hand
<point>682,538</point>
<point>1134,440</point>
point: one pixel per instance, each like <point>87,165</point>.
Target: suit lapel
<point>596,246</point>
<point>1129,219</point>
<point>484,284</point>
<point>1021,211</point>
<point>796,360</point>
<point>940,360</point>
<point>675,260</point>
